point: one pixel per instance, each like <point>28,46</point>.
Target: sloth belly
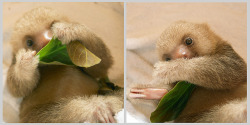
<point>57,82</point>
<point>203,100</point>
<point>65,81</point>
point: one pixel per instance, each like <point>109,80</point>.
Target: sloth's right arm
<point>23,74</point>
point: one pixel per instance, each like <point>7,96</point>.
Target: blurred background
<point>146,22</point>
<point>105,19</point>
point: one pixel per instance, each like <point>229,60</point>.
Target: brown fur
<point>58,93</point>
<point>218,71</point>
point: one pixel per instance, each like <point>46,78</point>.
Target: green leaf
<point>72,54</point>
<point>172,104</point>
<point>81,56</point>
<point>54,53</point>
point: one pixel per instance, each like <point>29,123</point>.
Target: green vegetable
<point>54,52</point>
<point>81,56</point>
<point>171,105</point>
<point>73,54</point>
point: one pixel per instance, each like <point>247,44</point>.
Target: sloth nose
<point>181,55</point>
<point>46,37</point>
<point>182,52</point>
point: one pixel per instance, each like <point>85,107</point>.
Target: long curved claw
<point>147,93</point>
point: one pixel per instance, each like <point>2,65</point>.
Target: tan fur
<point>58,93</point>
<point>31,23</point>
<point>235,110</point>
<point>23,76</point>
<point>67,32</point>
<point>74,109</point>
<point>218,71</point>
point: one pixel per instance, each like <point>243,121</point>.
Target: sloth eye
<point>188,41</point>
<point>168,59</point>
<point>29,42</point>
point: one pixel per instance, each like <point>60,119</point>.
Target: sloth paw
<point>26,62</point>
<point>104,114</point>
<point>165,72</point>
<point>160,69</point>
<point>65,32</point>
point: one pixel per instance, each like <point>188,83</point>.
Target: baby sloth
<point>192,52</point>
<point>58,93</point>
